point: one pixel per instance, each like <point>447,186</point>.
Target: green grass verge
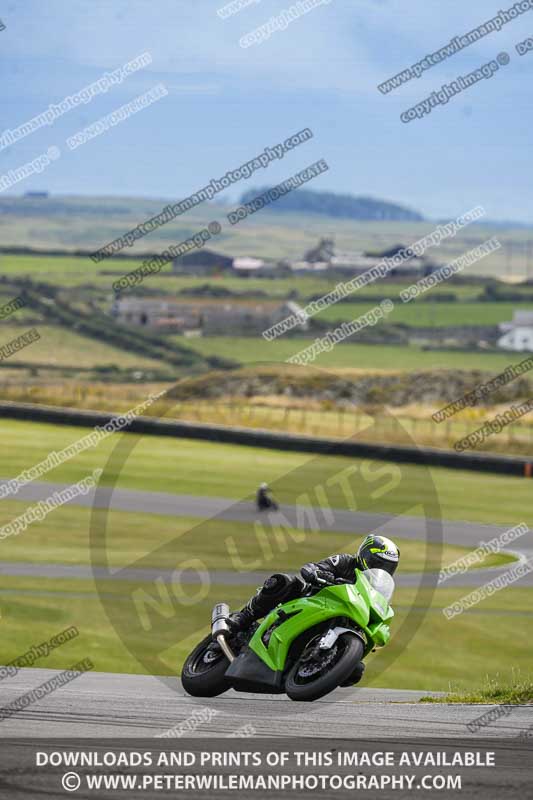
<point>512,690</point>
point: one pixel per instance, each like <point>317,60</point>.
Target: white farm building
<point>518,334</point>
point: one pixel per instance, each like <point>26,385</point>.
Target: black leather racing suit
<point>342,565</point>
<point>279,588</point>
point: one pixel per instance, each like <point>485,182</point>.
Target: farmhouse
<point>517,334</point>
<point>162,314</point>
<point>210,317</point>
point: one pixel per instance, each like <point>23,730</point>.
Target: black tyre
<point>356,675</point>
<point>318,672</point>
<point>203,674</point>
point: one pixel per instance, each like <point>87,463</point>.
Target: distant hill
<point>340,206</point>
<point>34,205</point>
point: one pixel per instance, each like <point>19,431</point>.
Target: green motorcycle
<point>305,647</point>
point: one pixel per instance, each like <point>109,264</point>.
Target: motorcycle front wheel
<point>317,672</point>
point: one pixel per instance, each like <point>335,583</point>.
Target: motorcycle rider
<point>375,552</point>
<point>264,498</point>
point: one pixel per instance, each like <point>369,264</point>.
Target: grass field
<point>429,315</point>
<point>358,356</point>
<point>184,466</point>
<point>460,652</point>
<point>62,347</point>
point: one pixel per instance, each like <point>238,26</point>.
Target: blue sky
<point>227,103</point>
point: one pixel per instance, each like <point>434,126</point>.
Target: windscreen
<point>381,581</point>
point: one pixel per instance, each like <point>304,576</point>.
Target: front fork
<point>220,629</point>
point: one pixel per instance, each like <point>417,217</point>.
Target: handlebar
<point>322,582</point>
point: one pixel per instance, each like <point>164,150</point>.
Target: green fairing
<point>359,602</point>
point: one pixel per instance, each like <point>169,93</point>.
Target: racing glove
<point>316,576</point>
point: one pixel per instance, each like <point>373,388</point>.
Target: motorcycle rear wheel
<point>204,670</point>
<point>318,672</point>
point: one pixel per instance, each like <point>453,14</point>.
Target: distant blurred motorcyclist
<point>264,498</point>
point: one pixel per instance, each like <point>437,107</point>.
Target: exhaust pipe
<point>220,628</point>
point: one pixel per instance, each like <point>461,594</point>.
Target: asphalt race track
<point>467,534</point>
<point>107,705</point>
